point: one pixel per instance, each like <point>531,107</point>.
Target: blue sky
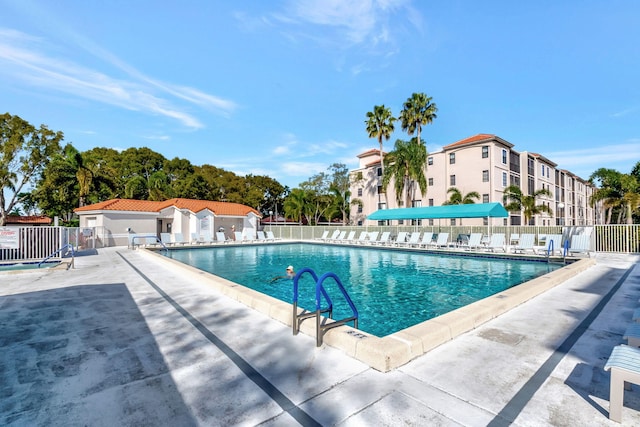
<point>281,88</point>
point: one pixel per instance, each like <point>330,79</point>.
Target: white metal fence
<point>37,243</point>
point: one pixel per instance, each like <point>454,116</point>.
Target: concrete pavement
<point>125,340</point>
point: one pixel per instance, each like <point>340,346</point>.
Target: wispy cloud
<point>594,158</point>
<point>22,59</point>
<point>625,112</point>
<point>353,22</point>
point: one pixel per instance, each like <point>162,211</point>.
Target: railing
<point>59,251</point>
<point>605,238</point>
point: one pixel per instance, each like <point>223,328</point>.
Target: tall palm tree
<point>519,202</point>
<point>380,125</point>
<point>296,205</point>
<point>416,112</point>
<point>609,191</point>
<point>456,197</point>
<point>631,195</point>
<point>406,165</point>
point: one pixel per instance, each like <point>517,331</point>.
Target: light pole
<point>561,211</point>
<point>271,218</point>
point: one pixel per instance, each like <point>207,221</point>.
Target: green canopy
<point>476,210</point>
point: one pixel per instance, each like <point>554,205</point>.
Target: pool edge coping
<point>394,350</point>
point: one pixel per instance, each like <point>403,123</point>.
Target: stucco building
<point>486,164</point>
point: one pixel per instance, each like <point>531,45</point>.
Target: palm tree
<point>456,197</point>
<point>526,204</point>
<point>296,204</point>
<point>631,195</point>
<point>609,191</point>
<point>416,112</point>
<point>406,164</point>
<point>380,125</point>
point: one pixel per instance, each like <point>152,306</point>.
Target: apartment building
<point>486,164</point>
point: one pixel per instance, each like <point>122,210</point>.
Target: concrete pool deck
<point>125,340</point>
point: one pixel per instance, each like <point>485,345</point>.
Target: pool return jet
<point>321,325</point>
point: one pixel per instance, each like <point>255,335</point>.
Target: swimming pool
<point>392,289</point>
<point>27,265</point>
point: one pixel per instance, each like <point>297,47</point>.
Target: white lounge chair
<point>271,237</point>
<point>324,236</point>
<point>196,239</point>
<point>427,238</point>
<point>414,239</point>
<point>551,248</point>
<point>580,244</point>
<point>496,242</point>
<point>442,241</point>
<point>333,236</point>
<point>261,236</point>
<point>362,238</point>
<point>401,238</point>
<point>373,236</point>
<point>624,363</point>
<point>206,238</point>
<point>221,238</point>
<point>525,243</point>
<point>340,237</point>
<point>239,237</point>
<point>350,237</point>
<point>165,238</point>
<point>178,239</point>
<point>475,241</point>
<point>383,240</point>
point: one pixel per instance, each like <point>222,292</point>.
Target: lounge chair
<point>383,240</point>
<point>178,239</point>
<point>362,238</point>
<point>221,237</point>
<point>340,237</point>
<point>580,244</point>
<point>238,236</point>
<point>401,238</point>
<point>333,236</point>
<point>547,245</point>
<point>525,244</point>
<point>442,241</point>
<point>624,364</point>
<point>496,242</point>
<point>196,239</point>
<point>165,238</point>
<point>261,236</point>
<point>427,238</point>
<point>373,236</point>
<point>206,238</point>
<point>324,236</point>
<point>414,239</point>
<point>514,239</point>
<point>271,237</point>
<point>350,237</point>
<point>475,241</point>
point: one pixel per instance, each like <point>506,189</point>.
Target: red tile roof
<point>33,219</point>
<point>372,152</point>
<point>218,208</point>
<point>476,138</point>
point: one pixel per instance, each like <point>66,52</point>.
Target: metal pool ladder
<point>321,328</point>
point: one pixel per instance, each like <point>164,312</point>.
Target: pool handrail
<point>298,318</point>
<point>322,329</point>
<point>68,245</point>
<point>158,240</point>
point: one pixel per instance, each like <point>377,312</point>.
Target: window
<point>485,176</point>
<point>452,158</point>
<point>380,190</point>
<point>504,179</point>
<point>531,185</point>
<point>453,221</point>
<point>431,181</point>
<point>359,176</point>
<point>485,198</point>
<point>359,192</point>
<point>430,202</point>
<point>452,180</point>
<point>485,221</point>
<point>382,205</point>
<point>359,208</point>
<point>379,171</point>
<point>429,161</point>
<point>416,204</point>
<point>504,157</point>
<point>431,222</point>
<point>542,168</point>
<point>485,151</point>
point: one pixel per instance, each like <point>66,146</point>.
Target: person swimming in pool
<point>290,274</point>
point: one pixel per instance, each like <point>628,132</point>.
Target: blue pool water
<point>27,266</point>
<point>391,289</point>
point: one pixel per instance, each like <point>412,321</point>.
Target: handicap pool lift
<point>321,326</point>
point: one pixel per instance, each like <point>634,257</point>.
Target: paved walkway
<point>123,340</point>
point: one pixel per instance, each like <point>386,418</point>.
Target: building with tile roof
<point>120,219</point>
<point>32,220</point>
<point>486,164</point>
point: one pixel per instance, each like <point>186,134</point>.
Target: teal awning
<point>476,210</point>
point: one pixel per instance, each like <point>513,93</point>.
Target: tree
<point>406,165</point>
<point>296,205</point>
<point>416,112</point>
<point>609,192</point>
<point>631,195</point>
<point>380,126</point>
<point>519,202</point>
<point>24,152</point>
<point>456,197</point>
